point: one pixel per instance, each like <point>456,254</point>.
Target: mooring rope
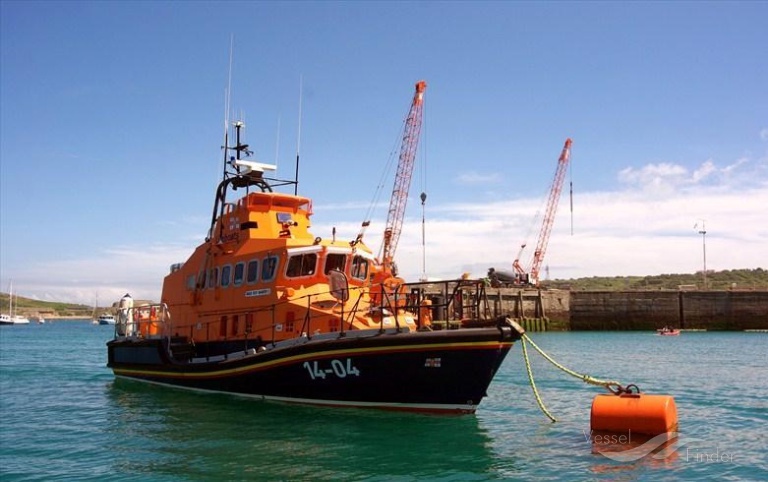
<point>612,386</point>
<point>533,384</point>
<point>585,378</point>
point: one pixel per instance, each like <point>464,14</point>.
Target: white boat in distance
<point>10,318</point>
<point>106,319</point>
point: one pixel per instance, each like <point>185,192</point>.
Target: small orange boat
<point>264,308</point>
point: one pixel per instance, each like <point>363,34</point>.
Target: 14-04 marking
<point>339,368</point>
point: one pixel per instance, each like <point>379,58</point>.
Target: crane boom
<point>549,216</point>
<point>411,133</point>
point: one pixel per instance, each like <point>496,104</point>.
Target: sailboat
<point>94,317</point>
<point>10,318</point>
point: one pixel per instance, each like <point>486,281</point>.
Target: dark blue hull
<point>438,371</point>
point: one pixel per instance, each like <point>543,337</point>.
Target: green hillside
<point>52,309</point>
<point>739,279</point>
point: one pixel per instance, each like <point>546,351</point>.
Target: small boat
<point>106,319</point>
<point>10,318</point>
<point>668,331</point>
<point>38,319</point>
<point>265,309</point>
<point>13,320</point>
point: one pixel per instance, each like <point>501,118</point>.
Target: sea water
<point>63,416</point>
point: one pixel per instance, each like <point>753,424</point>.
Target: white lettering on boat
<point>339,368</point>
<point>261,292</point>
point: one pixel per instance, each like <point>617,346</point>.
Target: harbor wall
<point>536,310</point>
<point>634,310</point>
<point>648,310</point>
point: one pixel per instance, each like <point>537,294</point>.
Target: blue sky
<point>112,119</point>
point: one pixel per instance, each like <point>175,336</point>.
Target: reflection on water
<point>195,435</point>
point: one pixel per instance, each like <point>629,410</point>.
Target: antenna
<point>227,97</point>
<point>703,232</point>
<point>298,138</point>
<point>277,141</point>
<point>423,198</point>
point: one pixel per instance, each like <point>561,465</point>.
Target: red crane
<point>548,221</point>
<point>397,203</point>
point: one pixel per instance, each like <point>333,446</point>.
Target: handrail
<point>154,320</point>
<point>145,321</point>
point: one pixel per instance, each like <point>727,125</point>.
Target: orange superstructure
<point>260,264</point>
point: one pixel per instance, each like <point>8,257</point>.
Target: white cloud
<point>705,170</point>
<point>620,233</point>
<point>667,179</point>
<point>105,276</point>
<point>660,178</point>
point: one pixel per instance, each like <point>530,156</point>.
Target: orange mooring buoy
<point>634,412</point>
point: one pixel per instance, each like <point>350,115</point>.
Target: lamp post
<point>703,232</point>
<point>423,245</point>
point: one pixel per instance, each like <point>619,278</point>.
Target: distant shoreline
<point>68,318</point>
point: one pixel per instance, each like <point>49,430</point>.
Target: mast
<point>298,140</point>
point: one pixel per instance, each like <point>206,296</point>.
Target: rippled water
<point>64,417</point>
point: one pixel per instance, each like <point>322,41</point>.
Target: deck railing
<point>439,305</point>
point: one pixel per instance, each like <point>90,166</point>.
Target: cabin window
<point>335,261</point>
<point>239,273</point>
<point>359,267</point>
<point>253,271</point>
<point>284,218</point>
<point>301,265</point>
<point>226,275</point>
<point>213,278</point>
<point>201,279</point>
<point>268,268</point>
<point>191,282</point>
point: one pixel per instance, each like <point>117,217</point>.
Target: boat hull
<point>669,333</point>
<point>442,371</point>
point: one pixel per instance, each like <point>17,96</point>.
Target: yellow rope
<point>533,384</point>
<point>585,378</point>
